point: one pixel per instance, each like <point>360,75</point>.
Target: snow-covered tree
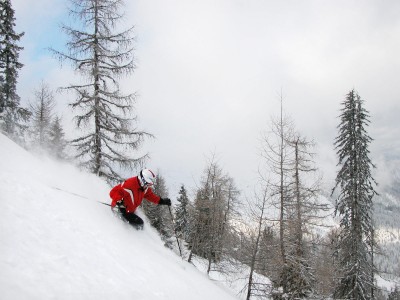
<point>304,212</point>
<point>323,264</point>
<point>257,211</point>
<point>101,54</point>
<point>354,206</point>
<point>182,217</point>
<point>57,141</point>
<point>158,215</point>
<point>42,114</point>
<point>294,185</point>
<point>213,209</point>
<point>46,133</point>
<point>277,154</point>
<point>12,115</point>
<point>395,294</point>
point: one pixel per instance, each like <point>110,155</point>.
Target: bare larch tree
<point>102,55</point>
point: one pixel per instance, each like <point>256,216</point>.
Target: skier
<point>128,195</point>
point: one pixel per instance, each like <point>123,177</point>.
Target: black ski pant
<point>131,218</point>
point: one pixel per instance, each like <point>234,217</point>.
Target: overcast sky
<point>210,74</point>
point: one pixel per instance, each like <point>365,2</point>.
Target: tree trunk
<point>97,146</point>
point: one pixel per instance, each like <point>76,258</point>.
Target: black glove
<point>165,201</point>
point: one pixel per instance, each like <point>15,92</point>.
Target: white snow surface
<point>58,242</point>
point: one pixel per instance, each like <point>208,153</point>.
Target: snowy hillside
<point>58,242</point>
<point>387,212</point>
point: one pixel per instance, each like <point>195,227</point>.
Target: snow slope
<point>58,242</point>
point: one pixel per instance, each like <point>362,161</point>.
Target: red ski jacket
<point>132,194</point>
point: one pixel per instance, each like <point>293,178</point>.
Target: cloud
<point>210,74</point>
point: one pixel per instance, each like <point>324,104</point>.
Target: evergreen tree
<point>213,209</point>
<point>11,114</point>
<point>102,55</point>
<point>354,205</point>
<point>324,265</point>
<point>158,215</point>
<point>395,294</point>
<point>182,218</point>
<point>268,254</point>
<point>57,142</point>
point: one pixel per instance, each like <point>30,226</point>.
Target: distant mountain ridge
<point>387,220</point>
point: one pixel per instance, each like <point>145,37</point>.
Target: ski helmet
<point>146,178</point>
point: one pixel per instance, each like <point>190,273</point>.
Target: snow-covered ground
<point>58,242</point>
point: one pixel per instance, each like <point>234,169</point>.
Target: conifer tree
<point>57,142</point>
<point>354,204</point>
<point>294,192</point>
<point>158,215</point>
<point>395,294</point>
<point>278,156</point>
<point>101,54</point>
<point>268,254</point>
<point>182,226</point>
<point>213,210</point>
<point>42,115</point>
<point>304,212</point>
<point>12,115</point>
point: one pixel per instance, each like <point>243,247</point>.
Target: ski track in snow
<point>58,242</point>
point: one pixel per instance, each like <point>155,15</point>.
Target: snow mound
<point>59,242</point>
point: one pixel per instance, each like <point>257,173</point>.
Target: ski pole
<point>173,223</point>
